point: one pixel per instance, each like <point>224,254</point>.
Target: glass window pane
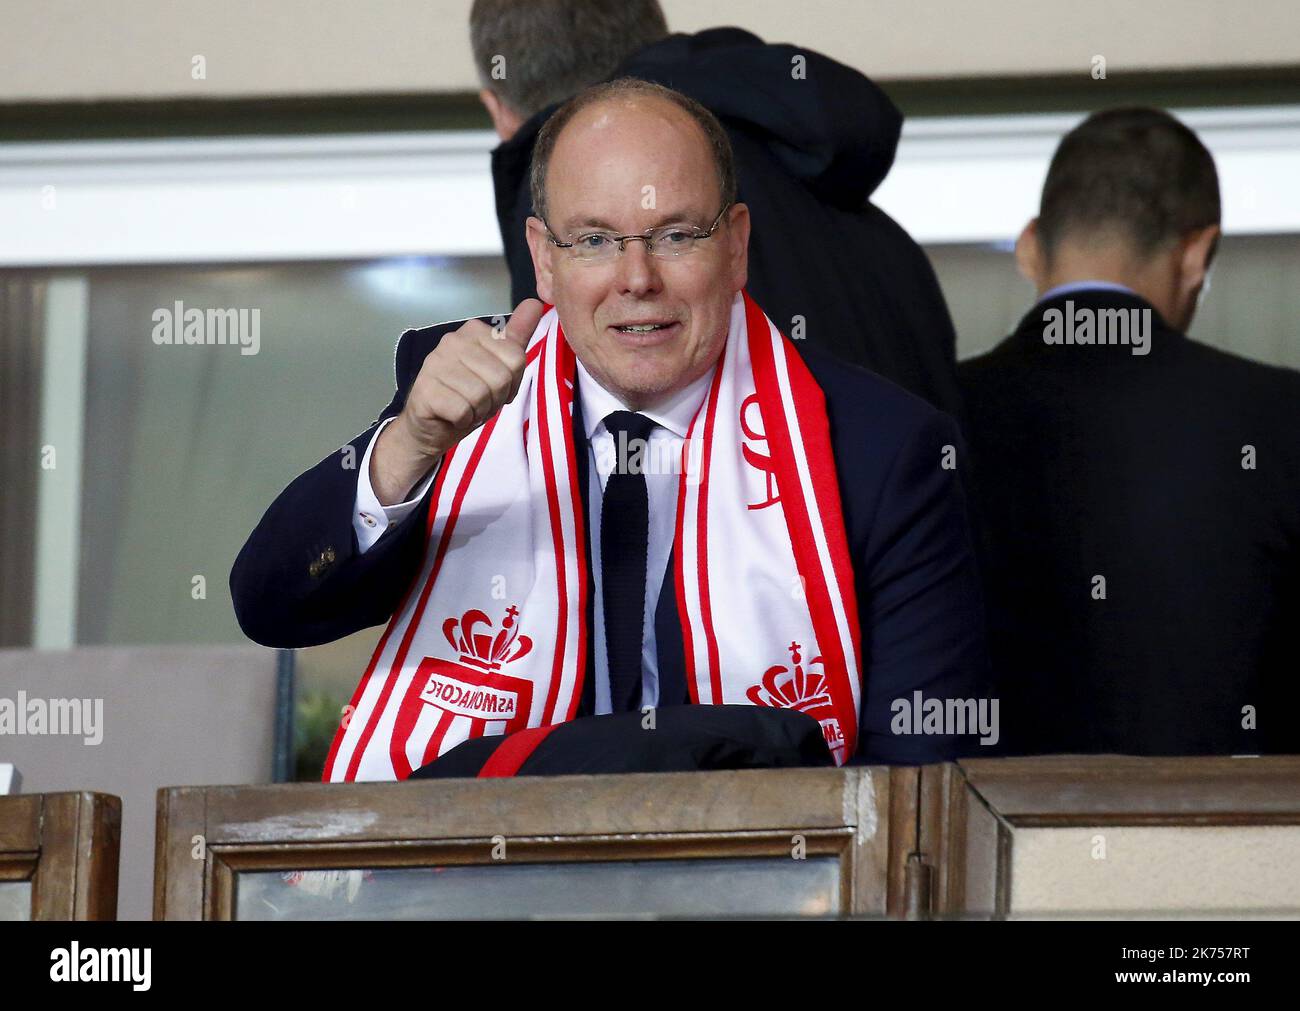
<point>15,900</point>
<point>186,445</point>
<point>764,886</point>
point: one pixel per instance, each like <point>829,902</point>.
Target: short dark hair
<point>552,49</point>
<point>719,144</point>
<point>1137,173</point>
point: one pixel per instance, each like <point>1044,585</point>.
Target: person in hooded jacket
<point>813,139</point>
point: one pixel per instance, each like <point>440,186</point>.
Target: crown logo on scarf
<point>792,687</point>
<point>480,648</point>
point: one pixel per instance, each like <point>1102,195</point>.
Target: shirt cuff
<point>369,518</point>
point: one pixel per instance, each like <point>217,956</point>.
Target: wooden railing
<point>1059,836</point>
<point>59,856</point>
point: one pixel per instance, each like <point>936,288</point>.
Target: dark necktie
<point>624,543</point>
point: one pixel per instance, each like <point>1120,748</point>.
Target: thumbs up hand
<point>464,381</point>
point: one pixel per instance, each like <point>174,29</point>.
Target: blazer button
<point>322,563</point>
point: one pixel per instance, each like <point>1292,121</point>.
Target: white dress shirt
<point>672,419</point>
<point>369,518</point>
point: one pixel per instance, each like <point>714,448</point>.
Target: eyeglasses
<point>665,241</point>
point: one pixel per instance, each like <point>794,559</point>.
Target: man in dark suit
<point>339,548</point>
<point>813,139</point>
<point>1141,491</point>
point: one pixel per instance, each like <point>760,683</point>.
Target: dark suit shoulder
<point>1257,401</point>
<point>977,365</point>
<point>866,406</point>
<point>1255,376</point>
<point>1179,365</point>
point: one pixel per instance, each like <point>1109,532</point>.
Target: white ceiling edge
<point>256,199</point>
<point>978,178</point>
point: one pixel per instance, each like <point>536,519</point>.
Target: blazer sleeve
<point>299,579</point>
<point>922,616</point>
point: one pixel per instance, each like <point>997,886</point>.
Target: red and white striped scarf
<point>491,636</point>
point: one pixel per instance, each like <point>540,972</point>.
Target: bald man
<point>632,494</point>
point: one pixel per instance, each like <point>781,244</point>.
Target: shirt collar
<point>1073,286</point>
<point>674,413</point>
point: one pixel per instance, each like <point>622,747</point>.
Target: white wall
<point>121,49</point>
<point>167,716</point>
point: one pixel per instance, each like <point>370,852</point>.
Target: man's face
<point>628,165</point>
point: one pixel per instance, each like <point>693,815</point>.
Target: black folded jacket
<point>683,739</point>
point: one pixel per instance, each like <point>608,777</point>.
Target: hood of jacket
<point>825,123</point>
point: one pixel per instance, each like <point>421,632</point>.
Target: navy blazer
<point>1091,461</point>
<point>300,580</point>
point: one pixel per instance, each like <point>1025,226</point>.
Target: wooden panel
<point>905,785</point>
<point>880,793</point>
<point>851,813</point>
<point>985,859</point>
<point>80,842</point>
<point>990,808</point>
<point>525,849</point>
<point>938,825</point>
<point>563,805</point>
<point>18,866</point>
<point>1078,789</point>
<point>100,848</point>
<point>54,885</point>
<point>180,876</point>
<point>20,823</point>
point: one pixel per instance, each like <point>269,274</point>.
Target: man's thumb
<point>523,321</point>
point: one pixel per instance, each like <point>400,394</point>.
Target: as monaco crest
<point>475,686</point>
<point>806,691</point>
